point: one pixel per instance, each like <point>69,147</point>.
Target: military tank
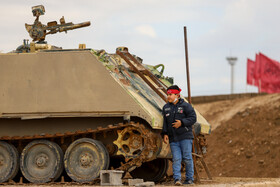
<point>67,114</point>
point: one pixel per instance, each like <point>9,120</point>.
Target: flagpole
<point>260,86</point>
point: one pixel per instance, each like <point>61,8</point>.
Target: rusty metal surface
<point>140,91</point>
<point>137,140</point>
<point>43,126</point>
<point>157,81</point>
<point>149,152</point>
<point>65,134</point>
<point>130,142</point>
<point>141,75</point>
<point>151,148</point>
<point>134,85</point>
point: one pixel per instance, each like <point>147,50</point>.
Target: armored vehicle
<point>67,114</point>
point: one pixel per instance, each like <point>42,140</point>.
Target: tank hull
<point>60,82</point>
<point>65,96</point>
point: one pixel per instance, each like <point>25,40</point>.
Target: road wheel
<point>41,161</point>
<point>9,161</point>
<point>154,170</point>
<point>105,155</point>
<point>84,159</point>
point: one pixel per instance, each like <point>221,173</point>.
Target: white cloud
<point>225,80</point>
<point>146,30</point>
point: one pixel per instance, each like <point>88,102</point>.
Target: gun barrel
<point>74,26</point>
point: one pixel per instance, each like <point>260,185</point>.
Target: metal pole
<point>189,99</point>
<point>232,61</point>
<point>187,65</point>
<point>232,79</point>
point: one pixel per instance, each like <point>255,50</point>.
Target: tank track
<point>66,134</point>
<point>150,139</point>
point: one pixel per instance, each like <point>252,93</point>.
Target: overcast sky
<point>153,30</point>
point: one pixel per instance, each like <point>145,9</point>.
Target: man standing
<point>178,118</point>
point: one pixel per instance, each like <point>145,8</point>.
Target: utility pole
<point>187,65</point>
<point>232,61</point>
<point>197,152</point>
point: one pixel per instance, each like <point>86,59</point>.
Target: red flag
<point>269,69</point>
<point>269,74</point>
<point>250,72</point>
<point>257,70</point>
<point>269,87</point>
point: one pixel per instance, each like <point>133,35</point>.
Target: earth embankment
<point>245,138</point>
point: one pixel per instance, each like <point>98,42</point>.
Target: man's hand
<point>165,139</point>
<point>177,124</point>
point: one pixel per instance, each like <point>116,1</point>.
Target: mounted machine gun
<point>38,31</point>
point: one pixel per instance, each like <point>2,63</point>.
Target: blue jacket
<point>182,111</point>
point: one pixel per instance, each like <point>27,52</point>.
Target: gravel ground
<point>217,181</point>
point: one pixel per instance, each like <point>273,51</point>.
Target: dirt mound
<point>222,111</point>
<point>245,141</point>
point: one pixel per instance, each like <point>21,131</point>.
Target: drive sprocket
<point>137,141</point>
<point>131,141</point>
<point>137,144</point>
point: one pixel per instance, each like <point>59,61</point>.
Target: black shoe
<point>178,183</point>
<point>188,182</point>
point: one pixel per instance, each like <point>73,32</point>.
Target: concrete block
<point>132,182</point>
<point>145,184</point>
<point>111,177</point>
